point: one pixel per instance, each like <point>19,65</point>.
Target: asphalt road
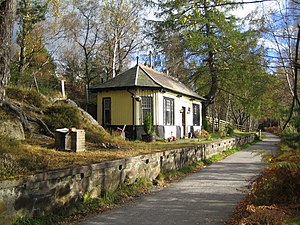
<point>207,197</point>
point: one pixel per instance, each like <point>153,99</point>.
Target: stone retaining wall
<point>44,193</point>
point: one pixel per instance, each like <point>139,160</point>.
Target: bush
<point>229,130</point>
<point>280,182</point>
<point>148,124</point>
<point>291,138</point>
<point>60,116</point>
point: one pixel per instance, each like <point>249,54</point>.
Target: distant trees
<point>281,33</point>
<point>32,64</point>
<point>99,38</point>
<point>82,27</point>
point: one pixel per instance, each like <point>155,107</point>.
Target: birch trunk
<point>7,15</point>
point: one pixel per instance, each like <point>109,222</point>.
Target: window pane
<point>146,106</point>
<point>196,114</point>
<point>168,111</point>
<point>106,111</point>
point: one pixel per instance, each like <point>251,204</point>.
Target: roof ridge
<point>136,75</point>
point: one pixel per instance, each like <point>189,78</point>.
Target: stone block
<point>78,140</point>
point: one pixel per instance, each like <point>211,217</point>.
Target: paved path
<point>207,197</point>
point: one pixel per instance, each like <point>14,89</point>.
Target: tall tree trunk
<point>296,101</point>
<point>114,60</point>
<point>7,15</point>
<point>214,86</point>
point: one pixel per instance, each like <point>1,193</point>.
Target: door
<point>106,112</point>
<point>183,110</point>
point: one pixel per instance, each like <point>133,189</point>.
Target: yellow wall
<point>121,107</point>
<point>149,93</point>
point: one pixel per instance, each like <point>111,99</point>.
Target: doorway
<point>183,110</point>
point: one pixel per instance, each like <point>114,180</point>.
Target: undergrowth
<point>275,197</point>
<point>30,97</point>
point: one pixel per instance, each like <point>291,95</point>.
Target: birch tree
<point>7,15</point>
<point>121,33</point>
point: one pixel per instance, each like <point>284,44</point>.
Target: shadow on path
<point>207,197</point>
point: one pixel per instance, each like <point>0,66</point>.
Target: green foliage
<point>148,124</point>
<point>26,221</point>
<point>296,122</point>
<point>294,221</point>
<point>291,138</point>
<point>221,155</point>
<point>229,130</point>
<point>60,116</point>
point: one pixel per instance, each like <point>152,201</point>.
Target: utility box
<point>62,139</point>
<point>70,139</point>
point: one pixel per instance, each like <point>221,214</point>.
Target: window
<point>168,111</point>
<point>106,111</point>
<point>196,115</point>
<point>147,106</point>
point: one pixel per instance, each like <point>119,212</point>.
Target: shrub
<point>291,138</point>
<point>229,130</point>
<point>280,182</point>
<point>60,116</point>
<point>148,124</point>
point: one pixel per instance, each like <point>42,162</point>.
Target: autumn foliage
<point>274,195</point>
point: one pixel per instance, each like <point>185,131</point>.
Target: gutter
<point>133,120</point>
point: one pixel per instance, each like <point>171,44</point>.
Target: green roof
<point>144,77</point>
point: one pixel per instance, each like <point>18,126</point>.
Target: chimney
<point>150,58</point>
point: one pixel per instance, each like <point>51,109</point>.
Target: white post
<point>63,89</point>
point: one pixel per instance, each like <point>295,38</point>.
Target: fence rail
<point>218,125</point>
